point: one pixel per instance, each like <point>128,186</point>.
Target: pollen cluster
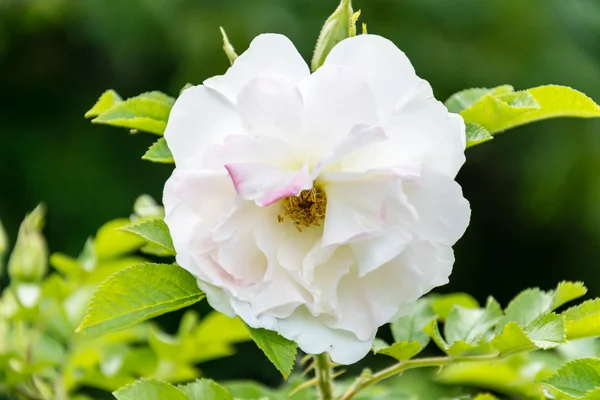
<point>307,209</point>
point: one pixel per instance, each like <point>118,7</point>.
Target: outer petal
<point>385,68</point>
<point>336,99</point>
<point>420,130</point>
<point>444,213</point>
<point>200,118</point>
<point>267,54</point>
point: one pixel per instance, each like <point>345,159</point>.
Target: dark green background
<point>534,192</point>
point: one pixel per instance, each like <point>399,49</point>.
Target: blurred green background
<point>534,192</point>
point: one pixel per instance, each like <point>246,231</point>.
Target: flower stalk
<point>396,369</point>
<point>324,374</point>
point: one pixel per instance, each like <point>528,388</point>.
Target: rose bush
<point>322,205</point>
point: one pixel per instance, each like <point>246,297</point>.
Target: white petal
<point>336,99</point>
<point>385,68</point>
<point>313,337</point>
<point>355,204</point>
<point>267,54</point>
<point>200,118</point>
<point>420,131</point>
<point>270,105</point>
<point>432,260</point>
<point>444,213</point>
<point>265,184</point>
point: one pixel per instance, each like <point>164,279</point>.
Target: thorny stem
<point>364,381</point>
<point>323,371</point>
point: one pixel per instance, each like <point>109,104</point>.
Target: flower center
<point>307,209</point>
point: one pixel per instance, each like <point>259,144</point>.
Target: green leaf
<point>137,294</point>
<point>469,325</point>
<point>159,152</point>
<point>279,350</point>
<point>577,378</point>
<point>442,304</point>
<point>545,332</point>
<point>205,389</point>
<point>566,292</point>
<point>112,242</point>
<point>3,246</point>
<point>497,113</point>
<point>147,112</point>
<point>485,396</point>
<point>526,307</point>
<point>401,351</point>
<point>150,389</point>
<point>107,100</point>
<point>457,348</point>
<point>583,320</point>
<point>466,98</point>
<point>154,231</point>
<point>409,328</point>
<point>476,134</point>
<point>227,47</point>
<point>146,207</point>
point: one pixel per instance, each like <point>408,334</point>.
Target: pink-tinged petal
<point>355,205</point>
<point>360,136</point>
<point>265,184</point>
<point>271,105</point>
<point>335,99</point>
<point>268,54</point>
<point>378,61</point>
<point>200,118</point>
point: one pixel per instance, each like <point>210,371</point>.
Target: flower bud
<point>29,259</point>
<point>338,27</point>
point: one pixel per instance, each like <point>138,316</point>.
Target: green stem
<point>364,381</point>
<point>323,371</point>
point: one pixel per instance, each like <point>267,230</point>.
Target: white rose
<point>322,205</point>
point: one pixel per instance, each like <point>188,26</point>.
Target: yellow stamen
<point>306,209</point>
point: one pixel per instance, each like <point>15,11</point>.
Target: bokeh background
<point>534,191</point>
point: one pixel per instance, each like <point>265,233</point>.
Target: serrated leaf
<point>159,152</point>
<point>442,304</point>
<point>409,327</point>
<point>465,98</point>
<point>150,389</point>
<point>545,332</point>
<point>577,378</point>
<point>566,292</point>
<point>476,134</point>
<point>583,320</point>
<point>526,307</point>
<point>112,242</point>
<point>401,351</point>
<point>279,350</point>
<point>469,325</point>
<point>497,114</point>
<point>154,231</point>
<point>205,389</point>
<point>139,293</point>
<point>147,112</point>
<point>106,101</point>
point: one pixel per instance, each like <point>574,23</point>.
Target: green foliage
<point>155,232</point>
<point>3,247</point>
<point>578,379</point>
<point>279,350</point>
<point>159,152</point>
<point>227,47</point>
<point>137,294</point>
<point>583,320</point>
<point>408,333</point>
<point>147,112</point>
<point>107,100</point>
<point>489,111</point>
<point>205,390</point>
<point>150,389</point>
<point>442,304</point>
